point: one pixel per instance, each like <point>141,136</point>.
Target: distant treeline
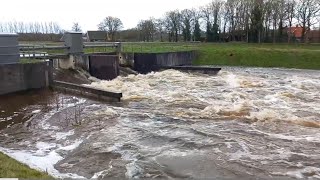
<point>39,37</point>
<point>230,20</point>
<point>254,21</point>
<point>33,31</point>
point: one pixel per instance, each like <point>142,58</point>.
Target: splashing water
<point>227,95</point>
<point>241,123</point>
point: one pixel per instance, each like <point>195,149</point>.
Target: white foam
<point>107,112</point>
<point>94,79</point>
<point>44,158</point>
<point>36,111</point>
<point>72,146</point>
<point>44,124</point>
<point>301,173</point>
<point>133,170</point>
<point>42,163</point>
<point>232,81</point>
<point>63,135</point>
<point>98,174</point>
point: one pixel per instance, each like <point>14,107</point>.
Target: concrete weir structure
<point>147,62</point>
<point>15,76</point>
<point>19,77</point>
<point>87,91</point>
<point>103,65</point>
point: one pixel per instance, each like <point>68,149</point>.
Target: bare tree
<point>173,24</point>
<point>216,7</point>
<point>307,12</point>
<point>230,17</point>
<point>186,18</point>
<point>56,28</point>
<point>112,25</point>
<point>275,11</point>
<point>1,27</point>
<point>76,27</point>
<point>147,29</point>
<point>195,24</point>
<point>291,13</point>
<point>160,27</point>
<point>206,15</point>
<point>257,18</point>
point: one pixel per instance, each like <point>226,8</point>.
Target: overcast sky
<point>89,12</point>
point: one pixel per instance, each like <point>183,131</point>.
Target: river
<point>243,123</point>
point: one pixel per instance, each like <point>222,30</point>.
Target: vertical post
<point>47,73</point>
<point>119,47</point>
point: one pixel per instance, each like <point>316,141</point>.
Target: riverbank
<point>300,56</point>
<point>260,55</point>
<point>10,168</point>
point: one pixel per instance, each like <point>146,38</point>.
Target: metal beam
<point>31,48</point>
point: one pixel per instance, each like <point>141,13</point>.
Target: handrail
<point>24,48</point>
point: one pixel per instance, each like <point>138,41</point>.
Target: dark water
<point>17,108</point>
<point>244,123</point>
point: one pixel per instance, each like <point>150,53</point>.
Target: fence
<point>41,52</point>
<point>158,47</point>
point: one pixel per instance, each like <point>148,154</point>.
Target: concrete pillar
<point>119,47</point>
<point>9,48</point>
<point>74,41</point>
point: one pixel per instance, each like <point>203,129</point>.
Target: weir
<point>201,69</point>
<point>86,91</point>
<point>102,65</point>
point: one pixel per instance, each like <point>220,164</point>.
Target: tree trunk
<point>274,32</point>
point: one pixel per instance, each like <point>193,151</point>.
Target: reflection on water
<point>242,123</point>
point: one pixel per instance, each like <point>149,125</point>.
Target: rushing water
<point>242,123</point>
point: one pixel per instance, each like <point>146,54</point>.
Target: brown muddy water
<point>244,123</point>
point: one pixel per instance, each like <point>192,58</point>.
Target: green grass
<point>302,56</point>
<point>159,47</point>
<point>260,55</point>
<point>26,60</point>
<point>10,168</point>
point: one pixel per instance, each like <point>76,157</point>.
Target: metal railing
<point>39,47</point>
<point>42,51</point>
<point>30,51</point>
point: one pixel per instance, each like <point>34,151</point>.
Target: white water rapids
<point>253,96</point>
<point>242,123</point>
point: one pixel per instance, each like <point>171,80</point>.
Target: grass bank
<point>10,168</point>
<point>302,56</point>
<point>260,55</point>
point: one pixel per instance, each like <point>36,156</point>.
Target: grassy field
<point>10,168</point>
<point>302,56</point>
<point>242,54</point>
<point>263,55</point>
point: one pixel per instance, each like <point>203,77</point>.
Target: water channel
<point>242,123</point>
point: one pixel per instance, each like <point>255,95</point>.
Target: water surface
<point>242,123</point>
